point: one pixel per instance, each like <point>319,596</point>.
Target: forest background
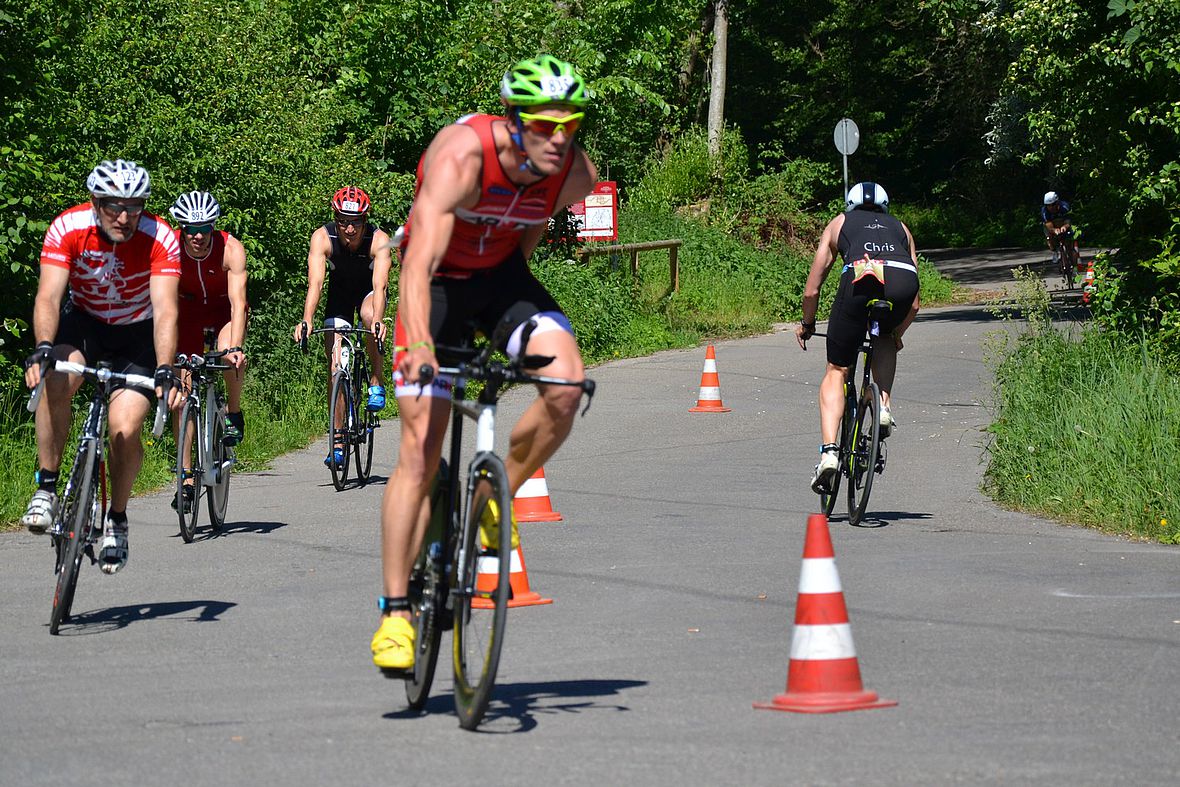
<point>969,110</point>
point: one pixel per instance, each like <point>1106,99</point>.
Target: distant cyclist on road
<point>357,253</point>
<point>487,186</point>
<point>879,263</point>
<point>1058,226</point>
<point>212,299</point>
<point>121,267</point>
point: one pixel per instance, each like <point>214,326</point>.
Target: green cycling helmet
<point>544,80</point>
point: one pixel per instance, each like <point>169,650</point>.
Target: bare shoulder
<point>455,145</point>
<point>235,253</point>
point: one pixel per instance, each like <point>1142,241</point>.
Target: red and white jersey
<point>111,282</point>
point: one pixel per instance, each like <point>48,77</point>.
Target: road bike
<point>351,424</point>
<point>82,508</point>
<point>1065,257</point>
<point>202,427</point>
<point>456,585</point>
<point>862,448</point>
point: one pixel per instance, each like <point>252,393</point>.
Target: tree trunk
<point>717,81</point>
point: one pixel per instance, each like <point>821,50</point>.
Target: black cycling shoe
<point>187,494</point>
<point>235,429</point>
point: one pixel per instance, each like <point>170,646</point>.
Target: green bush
<point>1086,430</point>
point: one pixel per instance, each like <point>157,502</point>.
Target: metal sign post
<point>847,139</point>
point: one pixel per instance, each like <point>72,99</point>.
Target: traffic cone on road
<point>521,594</point>
<point>531,503</point>
<point>709,398</point>
<point>823,675</point>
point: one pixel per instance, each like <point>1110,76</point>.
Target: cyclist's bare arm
<point>165,295</point>
<point>317,269</point>
<point>234,263</point>
<point>451,179</point>
<point>826,252</point>
<point>51,288</point>
<point>381,263</point>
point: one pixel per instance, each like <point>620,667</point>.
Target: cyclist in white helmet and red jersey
<point>212,302</point>
<point>121,268</point>
<point>487,186</point>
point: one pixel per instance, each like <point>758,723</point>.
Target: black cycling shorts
<point>345,297</point>
<point>130,349</point>
<point>509,292</point>
<point>850,310</point>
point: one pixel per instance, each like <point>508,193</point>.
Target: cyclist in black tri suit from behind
<point>357,254</point>
<point>880,263</point>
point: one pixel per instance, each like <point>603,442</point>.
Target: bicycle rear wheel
<point>340,403</point>
<point>428,595</point>
<point>827,502</point>
<point>481,578</point>
<point>76,519</point>
<point>188,430</point>
<point>221,462</point>
<point>866,444</point>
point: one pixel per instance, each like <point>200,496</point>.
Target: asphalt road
<point>1020,651</point>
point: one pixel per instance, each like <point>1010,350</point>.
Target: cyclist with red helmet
<point>120,266</point>
<point>487,187</point>
<point>357,254</point>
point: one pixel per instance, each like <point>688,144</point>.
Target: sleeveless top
<point>347,264</point>
<point>204,281</point>
<point>486,234</point>
<point>872,236</point>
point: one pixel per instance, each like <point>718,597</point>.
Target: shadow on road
<point>516,706</point>
<point>103,620</point>
<point>877,519</point>
<point>230,528</point>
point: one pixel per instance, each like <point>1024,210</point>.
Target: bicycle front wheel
<point>221,462</point>
<point>187,432</point>
<point>480,591</point>
<point>866,444</point>
<point>339,408</point>
<point>76,517</point>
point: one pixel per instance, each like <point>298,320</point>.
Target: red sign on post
<point>597,217</point>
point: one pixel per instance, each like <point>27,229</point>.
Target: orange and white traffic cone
<point>520,595</point>
<point>1088,283</point>
<point>709,398</point>
<point>824,675</point>
<point>531,503</point>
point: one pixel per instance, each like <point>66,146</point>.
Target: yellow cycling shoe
<point>489,527</point>
<point>393,644</point>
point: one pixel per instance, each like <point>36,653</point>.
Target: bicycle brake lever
<point>588,389</point>
<point>425,378</point>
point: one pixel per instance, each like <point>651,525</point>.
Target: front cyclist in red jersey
<point>121,267</point>
<point>212,301</point>
<point>487,187</point>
